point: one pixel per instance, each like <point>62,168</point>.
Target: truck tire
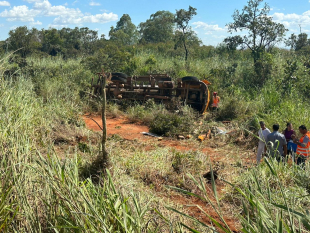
<point>190,79</point>
<point>121,75</point>
<point>119,79</point>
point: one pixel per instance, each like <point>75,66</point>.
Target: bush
<point>171,124</point>
<point>165,124</point>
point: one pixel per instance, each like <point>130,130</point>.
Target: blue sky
<point>100,15</point>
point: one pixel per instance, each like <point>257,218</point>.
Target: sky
<point>209,23</point>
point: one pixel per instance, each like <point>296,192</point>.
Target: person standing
<point>303,145</point>
<point>216,101</point>
<point>276,144</point>
<point>288,132</point>
<point>262,133</point>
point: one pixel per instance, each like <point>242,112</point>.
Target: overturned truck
<point>159,87</point>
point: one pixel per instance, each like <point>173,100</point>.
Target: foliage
<point>263,33</point>
<point>158,28</point>
<point>170,124</point>
<point>125,31</point>
<point>110,58</point>
<point>23,41</point>
<point>184,33</point>
<point>298,42</point>
<point>267,198</point>
<point>53,42</point>
<point>40,191</point>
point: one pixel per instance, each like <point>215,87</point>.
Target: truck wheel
<point>119,79</point>
<point>121,75</point>
<point>190,79</point>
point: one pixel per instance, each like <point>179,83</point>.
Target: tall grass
<point>42,193</point>
<point>268,198</point>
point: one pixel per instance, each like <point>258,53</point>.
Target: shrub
<point>170,124</point>
<point>165,123</point>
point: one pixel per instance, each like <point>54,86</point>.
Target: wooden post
<point>104,123</point>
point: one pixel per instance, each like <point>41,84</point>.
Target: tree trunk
<point>105,156</point>
<point>186,50</point>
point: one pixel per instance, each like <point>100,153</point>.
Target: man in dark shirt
<point>276,144</point>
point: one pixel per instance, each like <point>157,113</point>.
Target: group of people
<point>281,145</point>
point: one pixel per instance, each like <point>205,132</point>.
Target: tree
<point>184,32</point>
<point>88,38</point>
<point>52,43</point>
<point>125,31</point>
<point>111,58</point>
<point>298,42</point>
<point>23,40</point>
<point>158,28</point>
<point>262,32</point>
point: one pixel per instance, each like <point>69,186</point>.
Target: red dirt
<point>119,126</point>
<point>192,203</point>
<point>130,131</point>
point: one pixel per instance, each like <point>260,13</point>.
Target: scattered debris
<point>181,137</point>
<point>201,138</point>
<point>160,138</point>
<point>189,136</point>
<point>221,130</point>
<point>150,134</point>
<point>209,134</point>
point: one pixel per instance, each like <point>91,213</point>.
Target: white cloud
<point>293,20</point>
<point>209,28</point>
<point>92,3</point>
<point>36,23</point>
<point>32,1</point>
<point>47,9</point>
<point>219,37</point>
<point>98,18</point>
<point>19,13</point>
<point>63,14</point>
<point>4,3</point>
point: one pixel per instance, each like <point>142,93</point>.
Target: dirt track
<point>130,131</point>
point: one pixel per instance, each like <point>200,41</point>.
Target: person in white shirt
<point>262,133</point>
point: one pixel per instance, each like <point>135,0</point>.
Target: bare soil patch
<point>120,126</point>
